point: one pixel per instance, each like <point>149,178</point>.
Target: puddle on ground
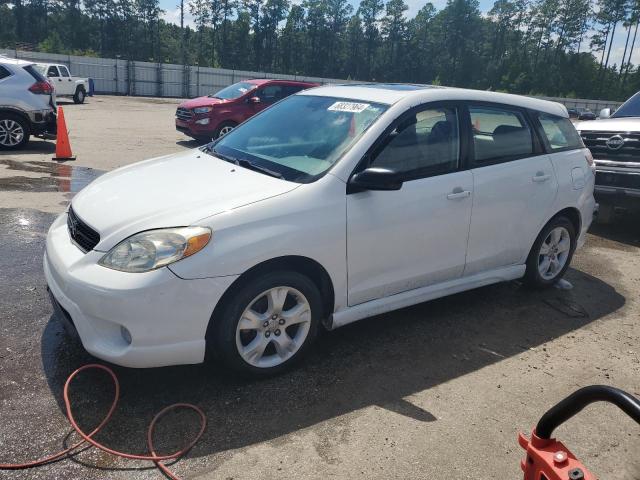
<point>62,177</point>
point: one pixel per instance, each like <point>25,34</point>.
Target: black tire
<point>222,335</point>
<point>80,95</point>
<point>224,125</point>
<point>8,122</point>
<point>532,276</point>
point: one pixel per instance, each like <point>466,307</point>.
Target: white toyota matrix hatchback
<point>336,204</point>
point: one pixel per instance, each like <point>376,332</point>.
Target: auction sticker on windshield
<point>348,107</point>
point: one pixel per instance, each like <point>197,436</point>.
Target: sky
<point>172,14</point>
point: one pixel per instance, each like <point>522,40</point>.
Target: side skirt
<point>424,294</point>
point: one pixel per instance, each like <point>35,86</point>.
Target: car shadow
<point>381,362</point>
<point>190,143</point>
<point>36,146</point>
<point>625,228</point>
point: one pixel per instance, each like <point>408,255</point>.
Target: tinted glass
<point>234,91</point>
<point>499,134</point>
<point>300,137</point>
<point>4,73</point>
<point>64,72</point>
<point>424,143</point>
<point>270,93</point>
<point>34,73</point>
<point>630,108</point>
<point>53,72</point>
<point>560,132</point>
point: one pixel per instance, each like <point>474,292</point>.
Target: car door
<point>514,187</point>
<point>56,80</point>
<point>67,83</point>
<point>415,236</point>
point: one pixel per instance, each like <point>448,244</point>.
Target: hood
<point>610,125</point>
<point>171,191</point>
<point>202,102</point>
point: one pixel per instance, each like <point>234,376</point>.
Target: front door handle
<point>540,177</point>
<point>458,193</point>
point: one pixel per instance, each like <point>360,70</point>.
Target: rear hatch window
<point>31,70</point>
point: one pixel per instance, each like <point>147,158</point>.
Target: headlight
<point>202,109</point>
<point>153,249</point>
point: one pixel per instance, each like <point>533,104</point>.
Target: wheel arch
<point>18,113</point>
<point>297,263</point>
<point>572,213</point>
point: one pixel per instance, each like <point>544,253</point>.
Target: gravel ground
<point>434,391</point>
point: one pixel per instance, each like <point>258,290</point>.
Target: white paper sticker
<point>348,107</point>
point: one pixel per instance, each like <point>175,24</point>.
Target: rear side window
<point>34,73</point>
<point>560,132</point>
<point>4,73</point>
<point>499,134</point>
<point>63,71</point>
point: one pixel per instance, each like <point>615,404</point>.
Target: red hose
<point>88,437</point>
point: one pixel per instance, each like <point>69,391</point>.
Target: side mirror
<point>254,100</point>
<point>375,179</point>
<point>605,113</point>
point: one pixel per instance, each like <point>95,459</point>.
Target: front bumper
<point>617,185</point>
<point>194,129</point>
<point>166,316</point>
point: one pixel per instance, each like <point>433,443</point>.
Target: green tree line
<point>550,47</point>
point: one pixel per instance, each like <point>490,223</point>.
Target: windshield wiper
<point>241,162</point>
<point>252,166</point>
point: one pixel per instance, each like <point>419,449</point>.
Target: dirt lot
<point>435,391</point>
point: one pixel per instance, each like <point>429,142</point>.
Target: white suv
<point>27,104</point>
<point>333,205</point>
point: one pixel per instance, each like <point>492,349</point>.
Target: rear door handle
<point>458,193</point>
<point>539,178</point>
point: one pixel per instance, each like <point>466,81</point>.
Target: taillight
<point>41,88</point>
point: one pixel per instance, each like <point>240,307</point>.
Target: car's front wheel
<point>551,253</point>
<point>268,324</point>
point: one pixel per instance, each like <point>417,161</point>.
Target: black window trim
<point>9,72</point>
<point>457,105</point>
<point>545,141</point>
<point>538,148</point>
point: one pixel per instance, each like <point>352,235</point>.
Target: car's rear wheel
<point>551,253</point>
<point>14,131</point>
<point>268,324</point>
<point>223,129</point>
<point>80,95</point>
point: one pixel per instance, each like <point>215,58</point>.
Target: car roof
<point>262,81</point>
<point>14,61</point>
<point>414,94</point>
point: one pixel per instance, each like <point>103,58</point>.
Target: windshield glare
<point>234,91</point>
<point>300,137</point>
<point>630,108</point>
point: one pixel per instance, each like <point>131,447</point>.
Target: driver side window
<point>270,93</point>
<point>53,72</point>
<point>422,144</point>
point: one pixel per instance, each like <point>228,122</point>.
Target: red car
<point>210,117</point>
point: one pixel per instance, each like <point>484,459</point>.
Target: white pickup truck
<point>64,84</point>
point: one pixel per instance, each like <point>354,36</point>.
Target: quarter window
<point>422,144</point>
<point>560,132</point>
<point>4,73</point>
<point>499,134</point>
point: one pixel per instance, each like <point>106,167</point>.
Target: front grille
<point>81,233</point>
<point>617,179</point>
<point>597,142</point>
<point>184,114</point>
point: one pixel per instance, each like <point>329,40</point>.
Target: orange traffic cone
<point>63,147</point>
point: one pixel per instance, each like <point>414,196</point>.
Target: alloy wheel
<point>11,133</point>
<point>273,327</point>
<point>554,252</point>
<point>224,131</point>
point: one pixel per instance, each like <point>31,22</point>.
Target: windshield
<point>234,91</point>
<point>630,108</point>
<point>299,138</point>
